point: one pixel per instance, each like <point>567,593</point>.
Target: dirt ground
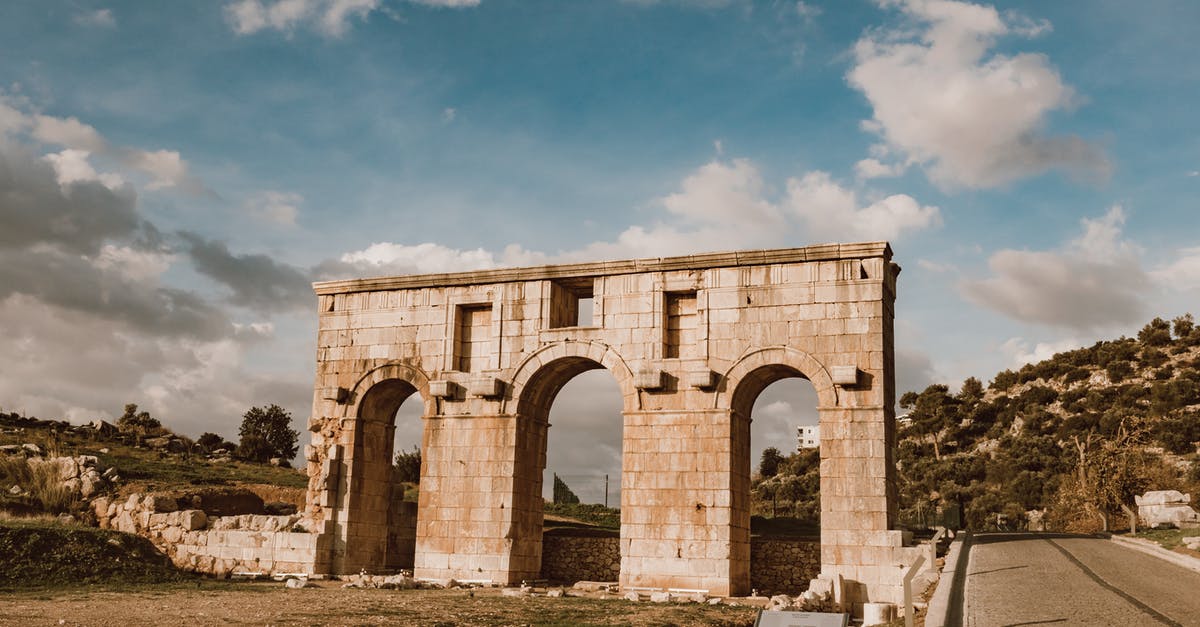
<point>266,603</point>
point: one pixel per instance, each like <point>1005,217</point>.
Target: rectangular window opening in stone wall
<point>681,325</point>
<point>473,346</point>
<point>571,303</point>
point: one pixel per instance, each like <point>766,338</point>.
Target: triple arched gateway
<point>691,342</point>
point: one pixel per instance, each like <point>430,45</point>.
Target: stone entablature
<point>691,341</point>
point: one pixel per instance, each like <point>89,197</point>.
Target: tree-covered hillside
<point>1067,440</point>
<point>1075,436</point>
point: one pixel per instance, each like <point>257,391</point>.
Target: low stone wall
<point>580,558</point>
<point>217,545</point>
<point>783,565</point>
<point>777,565</point>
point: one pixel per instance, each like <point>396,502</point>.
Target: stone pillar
<point>680,527</point>
<point>856,511</point>
<point>476,520</point>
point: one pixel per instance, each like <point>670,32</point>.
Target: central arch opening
<point>779,477</point>
<point>580,474</point>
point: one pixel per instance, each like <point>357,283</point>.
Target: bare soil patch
<point>329,604</point>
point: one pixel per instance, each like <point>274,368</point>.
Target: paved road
<point>1050,579</point>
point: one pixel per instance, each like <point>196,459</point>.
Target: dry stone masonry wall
<point>216,545</point>
<point>777,565</point>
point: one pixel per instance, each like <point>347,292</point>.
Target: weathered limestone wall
<point>217,545</point>
<point>691,342</point>
<point>568,559</point>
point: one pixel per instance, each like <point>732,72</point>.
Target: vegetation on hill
<point>1075,436</point>
<point>1069,440</point>
<point>145,455</point>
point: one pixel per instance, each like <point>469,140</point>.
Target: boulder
<point>32,448</point>
<point>632,595</point>
<point>779,602</point>
<point>1166,507</point>
<point>192,519</point>
<point>159,443</point>
<point>104,428</point>
<point>296,583</point>
<point>159,503</point>
<point>660,597</point>
<point>89,485</point>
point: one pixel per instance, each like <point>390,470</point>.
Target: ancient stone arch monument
<point>691,342</point>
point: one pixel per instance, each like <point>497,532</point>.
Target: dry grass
<point>269,603</point>
<point>42,482</point>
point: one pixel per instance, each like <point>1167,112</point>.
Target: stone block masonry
<point>216,545</point>
<point>691,342</point>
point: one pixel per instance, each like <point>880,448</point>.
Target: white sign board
<point>801,619</point>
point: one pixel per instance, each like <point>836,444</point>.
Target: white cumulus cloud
<point>972,117</point>
<point>1021,353</point>
<point>831,211</point>
<point>1095,281</point>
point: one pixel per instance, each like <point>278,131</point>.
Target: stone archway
<point>364,506</point>
<point>535,384</point>
<point>691,342</point>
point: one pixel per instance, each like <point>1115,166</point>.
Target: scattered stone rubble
<point>82,476</point>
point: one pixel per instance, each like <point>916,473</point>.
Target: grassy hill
<point>140,466</point>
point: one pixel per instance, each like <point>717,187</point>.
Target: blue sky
<point>1035,166</point>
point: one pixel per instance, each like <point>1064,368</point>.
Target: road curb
<point>1150,548</point>
<point>948,594</point>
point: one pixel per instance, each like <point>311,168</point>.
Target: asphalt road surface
<point>1053,579</point>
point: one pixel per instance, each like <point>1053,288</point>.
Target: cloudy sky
<point>174,175</point>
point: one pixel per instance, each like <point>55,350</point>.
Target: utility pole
<point>605,490</point>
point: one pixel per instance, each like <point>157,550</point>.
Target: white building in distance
<point>808,436</point>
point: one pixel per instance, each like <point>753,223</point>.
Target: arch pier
<point>691,342</point>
